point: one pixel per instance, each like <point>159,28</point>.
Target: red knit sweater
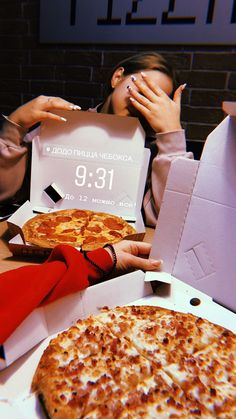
<point>66,271</point>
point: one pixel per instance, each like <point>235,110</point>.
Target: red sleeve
<point>66,271</point>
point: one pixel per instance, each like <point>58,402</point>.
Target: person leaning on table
<point>66,271</point>
<point>144,86</point>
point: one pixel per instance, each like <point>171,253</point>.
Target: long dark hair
<point>141,62</point>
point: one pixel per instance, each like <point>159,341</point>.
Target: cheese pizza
<point>139,362</point>
<point>86,229</point>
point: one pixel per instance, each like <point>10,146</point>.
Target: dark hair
<point>144,61</point>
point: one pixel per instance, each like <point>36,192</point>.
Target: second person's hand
<point>133,255</point>
<point>40,109</point>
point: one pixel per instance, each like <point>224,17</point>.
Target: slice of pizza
<point>160,334</point>
<point>157,398</point>
<point>88,369</point>
<point>64,226</point>
<point>87,366</point>
<point>105,228</point>
<point>209,376</point>
<point>139,362</point>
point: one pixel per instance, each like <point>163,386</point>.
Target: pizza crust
<point>139,362</point>
<point>84,229</point>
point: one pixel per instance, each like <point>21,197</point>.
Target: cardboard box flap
<point>88,128</point>
<point>196,231</point>
<point>50,319</point>
<point>177,295</point>
<point>173,211</point>
<point>218,164</point>
<point>93,161</point>
<point>81,305</point>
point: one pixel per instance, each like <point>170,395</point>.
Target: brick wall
<point>77,72</point>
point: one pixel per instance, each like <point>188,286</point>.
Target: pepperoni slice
<point>115,234</point>
<point>94,229</point>
<point>63,218</point>
<point>80,214</point>
<point>89,239</point>
<point>68,230</point>
<point>94,239</point>
<point>49,223</point>
<point>113,224</point>
<point>45,230</point>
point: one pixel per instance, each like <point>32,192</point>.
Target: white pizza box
<point>61,314</point>
<point>198,207</point>
<point>196,231</point>
<point>16,399</point>
<point>93,161</point>
<point>19,247</point>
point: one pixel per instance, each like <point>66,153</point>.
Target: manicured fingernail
<point>129,87</point>
<point>183,86</point>
<point>133,78</point>
<point>75,107</point>
<point>143,74</point>
<point>63,119</point>
<point>156,262</point>
<point>131,99</point>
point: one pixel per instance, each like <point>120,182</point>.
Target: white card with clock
<point>93,161</point>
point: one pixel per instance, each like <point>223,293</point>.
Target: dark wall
<point>78,72</point>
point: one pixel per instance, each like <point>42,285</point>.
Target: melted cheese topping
<point>140,362</point>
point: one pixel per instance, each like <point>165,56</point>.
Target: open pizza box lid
<point>190,184</point>
<point>196,231</point>
<point>93,161</point>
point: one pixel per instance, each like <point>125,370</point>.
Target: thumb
<point>178,94</point>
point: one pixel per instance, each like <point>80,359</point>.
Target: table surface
<point>8,261</point>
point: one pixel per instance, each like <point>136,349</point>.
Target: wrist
<point>11,120</point>
<point>170,128</point>
<point>110,249</point>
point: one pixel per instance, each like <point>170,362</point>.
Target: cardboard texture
<point>93,161</point>
<point>103,157</point>
<point>195,237</point>
<point>51,318</point>
<point>196,233</point>
<point>16,398</point>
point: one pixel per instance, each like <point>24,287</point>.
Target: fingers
<point>144,264</point>
<point>42,106</point>
<point>39,109</point>
<point>178,94</point>
<point>141,248</point>
<point>59,103</point>
<point>129,256</point>
<point>133,247</point>
<point>52,116</point>
<point>144,93</point>
<point>147,87</point>
<point>152,86</point>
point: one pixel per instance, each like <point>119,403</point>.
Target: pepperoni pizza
<point>79,228</point>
